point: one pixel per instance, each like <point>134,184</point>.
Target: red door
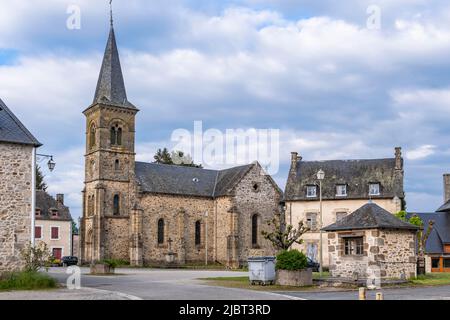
<point>57,253</point>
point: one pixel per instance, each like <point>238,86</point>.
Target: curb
<point>120,294</point>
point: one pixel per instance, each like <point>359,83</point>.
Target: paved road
<point>422,293</point>
<point>65,294</point>
<point>160,284</point>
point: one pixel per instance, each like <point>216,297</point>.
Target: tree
<point>163,157</point>
<point>40,183</point>
<point>74,227</point>
<point>422,236</point>
<point>181,159</point>
<point>284,237</point>
<point>178,158</point>
<point>36,257</point>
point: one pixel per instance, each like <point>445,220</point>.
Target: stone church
<point>152,214</point>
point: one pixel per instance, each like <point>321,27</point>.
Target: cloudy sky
<point>313,69</point>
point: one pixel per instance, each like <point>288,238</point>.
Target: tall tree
<point>179,158</point>
<point>40,183</point>
<point>163,157</point>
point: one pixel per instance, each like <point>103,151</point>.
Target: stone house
<point>154,214</point>
<point>53,224</point>
<point>17,161</point>
<point>348,185</point>
<point>437,248</point>
<point>372,242</point>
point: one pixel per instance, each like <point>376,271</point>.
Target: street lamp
<point>51,163</point>
<point>320,177</point>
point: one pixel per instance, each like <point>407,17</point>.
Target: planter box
<point>101,269</point>
<point>300,278</point>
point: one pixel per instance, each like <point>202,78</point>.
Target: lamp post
<point>206,238</point>
<point>320,177</point>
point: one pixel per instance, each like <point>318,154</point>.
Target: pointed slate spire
<point>110,86</point>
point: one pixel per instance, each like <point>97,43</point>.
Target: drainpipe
<point>33,194</point>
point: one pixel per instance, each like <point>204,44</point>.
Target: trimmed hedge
<point>293,260</point>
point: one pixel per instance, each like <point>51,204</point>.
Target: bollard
<point>362,293</point>
<point>380,296</point>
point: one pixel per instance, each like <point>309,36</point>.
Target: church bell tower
<point>109,164</point>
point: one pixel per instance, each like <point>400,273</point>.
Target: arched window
<point>117,165</point>
<point>119,137</point>
<point>116,210</point>
<point>160,231</point>
<point>92,139</point>
<point>255,230</point>
<point>198,233</point>
<point>116,135</point>
<point>113,135</point>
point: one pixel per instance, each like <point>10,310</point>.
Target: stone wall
<point>389,254</point>
<point>264,202</point>
<point>15,203</point>
<point>180,215</point>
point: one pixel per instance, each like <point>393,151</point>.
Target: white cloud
<point>421,152</point>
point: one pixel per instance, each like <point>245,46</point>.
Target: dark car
<point>315,266</point>
<point>69,261</point>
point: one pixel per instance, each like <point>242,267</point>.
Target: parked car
<point>69,261</point>
<point>315,266</point>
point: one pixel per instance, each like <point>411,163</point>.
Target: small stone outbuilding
<point>372,243</point>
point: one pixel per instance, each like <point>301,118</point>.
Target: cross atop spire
<point>111,13</point>
<point>110,86</point>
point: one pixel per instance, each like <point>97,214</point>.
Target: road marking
<point>120,294</point>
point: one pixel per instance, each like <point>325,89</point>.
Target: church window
<point>92,137</point>
<point>198,233</point>
<point>255,230</point>
<point>116,135</point>
<point>117,165</point>
<point>160,231</point>
<point>119,137</point>
<point>116,201</point>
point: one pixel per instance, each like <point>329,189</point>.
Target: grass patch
<point>432,279</point>
<point>26,281</point>
<point>316,275</point>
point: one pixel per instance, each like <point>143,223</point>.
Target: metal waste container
<point>261,270</point>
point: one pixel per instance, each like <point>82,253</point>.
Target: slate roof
<point>370,216</point>
<point>445,207</point>
<point>110,86</point>
<point>12,130</point>
<point>441,230</point>
<point>356,174</point>
<point>188,181</point>
<point>46,203</point>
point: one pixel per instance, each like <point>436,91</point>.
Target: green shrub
<point>26,281</point>
<point>291,260</point>
<point>114,263</point>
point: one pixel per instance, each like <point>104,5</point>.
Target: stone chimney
<point>398,159</point>
<point>295,158</point>
<point>446,187</point>
<point>60,199</point>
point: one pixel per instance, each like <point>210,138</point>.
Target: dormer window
<point>374,189</point>
<point>55,213</point>
<point>38,212</point>
<point>341,190</point>
<point>311,191</point>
